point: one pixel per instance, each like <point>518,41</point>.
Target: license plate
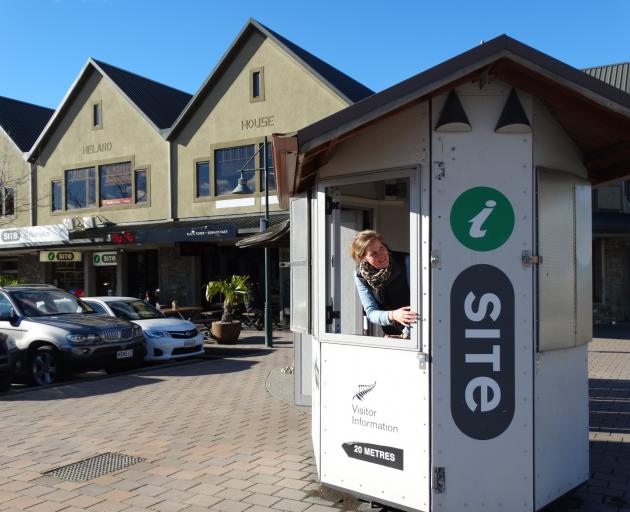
<point>189,343</point>
<point>124,354</point>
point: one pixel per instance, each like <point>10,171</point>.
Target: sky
<point>46,43</point>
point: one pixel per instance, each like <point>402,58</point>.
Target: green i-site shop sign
<point>482,219</point>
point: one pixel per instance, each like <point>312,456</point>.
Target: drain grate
<point>94,467</point>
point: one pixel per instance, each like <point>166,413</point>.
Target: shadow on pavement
<point>102,384</point>
<point>609,406</point>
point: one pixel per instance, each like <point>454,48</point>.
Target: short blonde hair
<point>361,241</point>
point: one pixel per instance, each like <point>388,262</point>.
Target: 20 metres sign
<point>482,322</point>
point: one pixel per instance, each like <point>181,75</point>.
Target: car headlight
<point>11,344</point>
<point>83,338</point>
<point>137,331</point>
<point>156,334</point>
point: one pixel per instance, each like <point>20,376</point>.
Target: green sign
<point>482,219</point>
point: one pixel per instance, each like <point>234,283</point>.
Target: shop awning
<point>275,236</point>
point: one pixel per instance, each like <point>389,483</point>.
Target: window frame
<point>97,167</point>
<point>260,73</point>
<point>147,173</point>
<point>61,195</point>
<point>96,111</point>
<point>418,271</point>
<point>196,162</point>
<point>3,202</point>
<point>96,187</point>
<point>100,177</point>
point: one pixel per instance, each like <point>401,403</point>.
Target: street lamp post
<point>243,188</point>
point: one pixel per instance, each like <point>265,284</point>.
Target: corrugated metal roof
<point>23,122</point>
<point>617,75</point>
<point>160,103</point>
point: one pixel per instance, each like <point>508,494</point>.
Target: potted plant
<point>234,291</point>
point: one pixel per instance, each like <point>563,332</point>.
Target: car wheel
<point>45,366</point>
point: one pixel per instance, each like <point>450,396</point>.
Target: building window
<point>115,184</point>
<point>56,196</point>
<point>203,179</point>
<point>598,270</point>
<point>9,268</point>
<point>227,165</point>
<point>8,201</point>
<point>272,177</point>
<point>142,195</point>
<point>96,115</point>
<point>80,188</point>
<point>256,85</point>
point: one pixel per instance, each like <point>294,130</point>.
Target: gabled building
<point>20,125</point>
<point>140,176</point>
<point>611,225</point>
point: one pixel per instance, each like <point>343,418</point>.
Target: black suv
<point>55,331</point>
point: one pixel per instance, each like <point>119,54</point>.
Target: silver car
<point>56,332</point>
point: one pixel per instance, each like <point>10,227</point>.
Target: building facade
<point>138,176</point>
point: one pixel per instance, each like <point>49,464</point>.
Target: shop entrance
<point>142,273</point>
<point>105,280</point>
<point>68,275</point>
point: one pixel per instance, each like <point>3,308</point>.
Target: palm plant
<point>233,290</point>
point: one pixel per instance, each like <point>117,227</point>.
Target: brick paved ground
<point>212,435</point>
<point>214,438</point>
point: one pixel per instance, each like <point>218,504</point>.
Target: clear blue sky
<point>46,43</point>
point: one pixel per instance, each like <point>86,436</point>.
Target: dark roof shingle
<point>22,121</point>
<point>160,103</point>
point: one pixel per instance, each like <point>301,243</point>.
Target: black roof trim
<point>23,122</point>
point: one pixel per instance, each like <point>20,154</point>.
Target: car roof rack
<point>26,285</point>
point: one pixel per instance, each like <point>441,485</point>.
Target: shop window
<point>55,192</point>
<point>359,297</point>
<point>9,268</point>
<point>256,85</point>
<point>115,184</point>
<point>203,179</point>
<point>96,116</point>
<point>80,188</point>
<point>142,195</point>
<point>8,201</point>
<point>272,176</point>
<point>228,163</point>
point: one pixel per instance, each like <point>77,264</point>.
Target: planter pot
<point>226,332</point>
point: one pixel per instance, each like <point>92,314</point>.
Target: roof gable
<point>23,122</point>
<point>159,104</point>
<point>341,84</point>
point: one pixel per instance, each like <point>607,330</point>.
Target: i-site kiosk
<point>480,169</point>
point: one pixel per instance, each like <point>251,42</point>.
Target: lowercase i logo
<point>482,219</point>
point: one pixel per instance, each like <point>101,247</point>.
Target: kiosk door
<point>374,417</point>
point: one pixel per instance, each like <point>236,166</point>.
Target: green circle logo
<point>51,256</point>
<point>97,259</point>
<point>482,219</point>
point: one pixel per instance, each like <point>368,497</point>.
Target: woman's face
<point>377,254</point>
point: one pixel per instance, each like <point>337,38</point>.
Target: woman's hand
<point>404,316</point>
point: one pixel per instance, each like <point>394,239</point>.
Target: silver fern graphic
<point>364,389</point>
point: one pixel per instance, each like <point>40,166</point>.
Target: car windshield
<point>48,302</point>
<point>134,310</point>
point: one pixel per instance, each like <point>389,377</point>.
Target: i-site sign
<point>482,319</point>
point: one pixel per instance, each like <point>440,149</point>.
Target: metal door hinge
<point>530,259</point>
<point>439,170</point>
<point>435,258</point>
<point>439,479</point>
<point>423,359</point>
<point>331,205</point>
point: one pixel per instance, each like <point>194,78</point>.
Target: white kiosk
<point>481,170</point>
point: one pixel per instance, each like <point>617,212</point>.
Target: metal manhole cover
<point>94,467</point>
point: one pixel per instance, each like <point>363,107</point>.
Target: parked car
<point>166,337</point>
<point>56,332</point>
<point>8,361</point>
